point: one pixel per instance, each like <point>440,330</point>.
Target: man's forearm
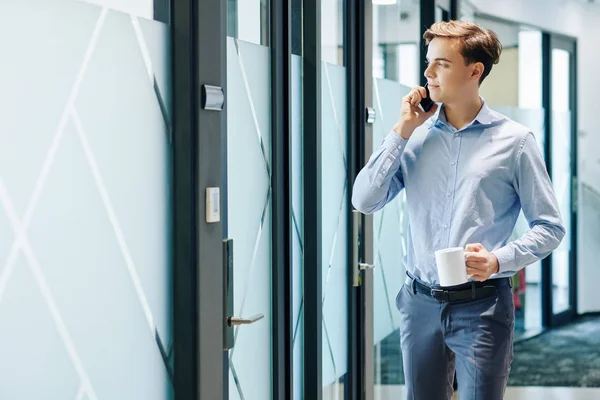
<point>536,244</point>
<point>381,179</point>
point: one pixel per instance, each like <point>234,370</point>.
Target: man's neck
<point>462,113</point>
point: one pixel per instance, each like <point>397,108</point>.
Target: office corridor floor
<point>392,392</point>
<point>564,357</point>
<point>568,356</point>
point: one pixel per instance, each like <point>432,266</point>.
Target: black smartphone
<point>427,103</point>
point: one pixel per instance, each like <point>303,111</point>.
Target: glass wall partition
<point>85,202</point>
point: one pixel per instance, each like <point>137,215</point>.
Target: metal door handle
<point>233,321</point>
<point>364,266</point>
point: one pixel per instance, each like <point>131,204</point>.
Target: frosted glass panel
<point>335,223</point>
<point>389,247</point>
<point>297,228</point>
<point>141,8</point>
<point>249,214</point>
<point>530,69</point>
<point>561,179</point>
<point>87,182</point>
<point>390,224</point>
<point>561,174</point>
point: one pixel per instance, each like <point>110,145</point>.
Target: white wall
<point>582,20</point>
<point>501,87</point>
<point>564,16</point>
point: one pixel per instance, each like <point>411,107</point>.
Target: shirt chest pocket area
<point>485,181</point>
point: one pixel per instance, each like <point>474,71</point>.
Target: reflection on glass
<point>396,40</point>
<point>561,178</point>
<point>561,174</point>
<point>389,246</point>
<point>530,68</point>
<point>248,20</point>
<point>334,228</point>
<point>332,31</point>
<point>441,14</point>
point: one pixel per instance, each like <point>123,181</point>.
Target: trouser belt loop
<point>473,290</point>
<point>414,286</point>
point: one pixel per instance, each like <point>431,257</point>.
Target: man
<point>467,177</point>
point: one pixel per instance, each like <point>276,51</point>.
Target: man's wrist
<point>495,263</point>
<point>402,131</point>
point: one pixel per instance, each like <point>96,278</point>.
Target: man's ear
<point>477,70</point>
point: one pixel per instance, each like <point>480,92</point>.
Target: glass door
<point>248,225</point>
<point>396,69</point>
<point>564,176</point>
<point>334,201</point>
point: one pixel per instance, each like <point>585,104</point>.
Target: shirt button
<point>453,163</point>
<point>449,194</point>
<point>445,226</point>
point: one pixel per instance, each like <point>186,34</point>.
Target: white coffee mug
<point>451,266</point>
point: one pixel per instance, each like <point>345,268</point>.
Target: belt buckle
<point>438,294</point>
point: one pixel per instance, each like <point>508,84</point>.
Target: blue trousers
<point>473,338</point>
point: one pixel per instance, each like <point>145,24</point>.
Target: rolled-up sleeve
<point>381,179</point>
<point>540,207</point>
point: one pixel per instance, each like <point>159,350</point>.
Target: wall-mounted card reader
<point>213,205</point>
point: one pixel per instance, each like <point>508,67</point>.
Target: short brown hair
<point>478,44</point>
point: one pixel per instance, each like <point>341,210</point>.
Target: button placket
<point>447,220</point>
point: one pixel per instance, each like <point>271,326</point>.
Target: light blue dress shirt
<point>465,186</point>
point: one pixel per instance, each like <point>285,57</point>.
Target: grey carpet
<point>568,356</point>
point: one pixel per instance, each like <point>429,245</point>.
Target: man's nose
<point>428,72</point>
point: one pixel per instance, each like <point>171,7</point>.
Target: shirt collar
<point>484,117</point>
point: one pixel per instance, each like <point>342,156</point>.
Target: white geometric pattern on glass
<point>334,223</point>
<point>87,200</point>
<point>297,218</point>
<point>249,214</point>
<point>391,223</point>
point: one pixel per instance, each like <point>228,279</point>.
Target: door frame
<point>202,264</point>
<point>198,280</point>
<point>569,44</point>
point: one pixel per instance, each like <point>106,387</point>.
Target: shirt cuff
<point>506,259</point>
<point>395,141</point>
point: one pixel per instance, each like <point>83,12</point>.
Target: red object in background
<point>519,289</point>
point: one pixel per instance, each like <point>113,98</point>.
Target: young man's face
<point>447,75</point>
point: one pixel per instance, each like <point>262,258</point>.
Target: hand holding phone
<point>411,115</point>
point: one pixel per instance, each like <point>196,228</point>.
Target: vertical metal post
<point>311,103</point>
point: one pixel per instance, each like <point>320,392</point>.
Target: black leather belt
<point>467,291</point>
